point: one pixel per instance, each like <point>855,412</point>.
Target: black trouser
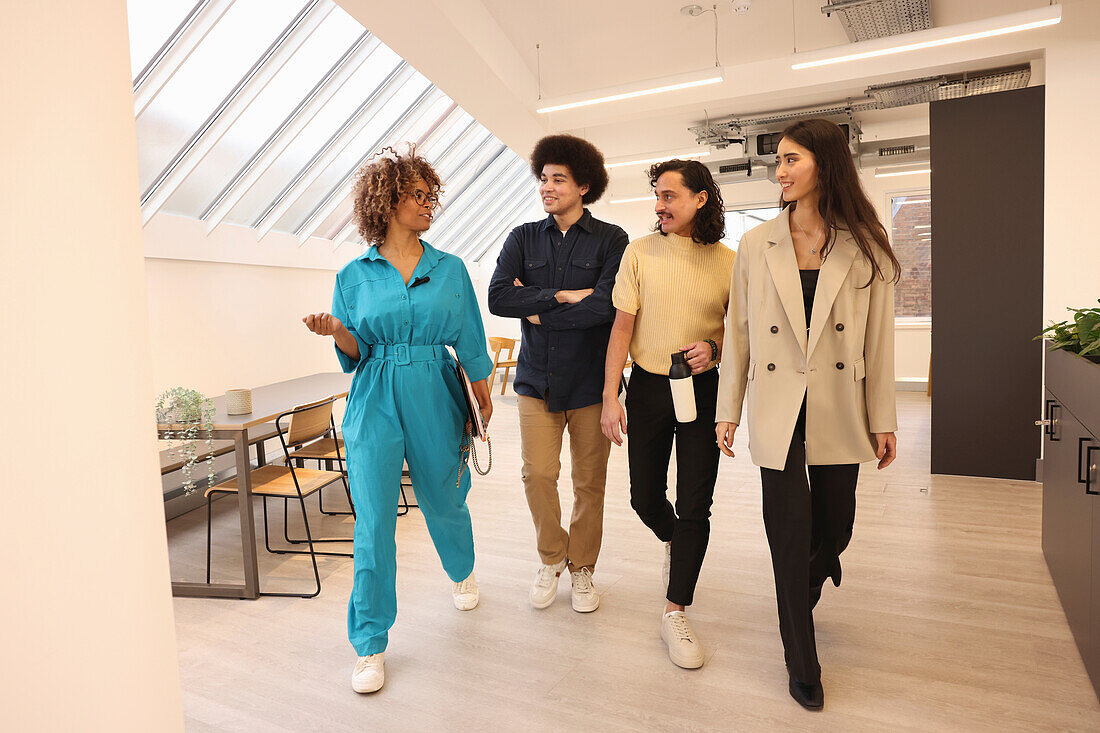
<point>808,526</point>
<point>651,425</point>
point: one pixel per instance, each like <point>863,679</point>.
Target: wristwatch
<point>713,349</point>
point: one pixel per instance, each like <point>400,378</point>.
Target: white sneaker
<point>545,588</point>
<point>585,597</point>
<point>668,563</point>
<point>370,673</point>
<point>683,648</point>
<point>465,594</point>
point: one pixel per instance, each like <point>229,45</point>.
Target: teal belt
<point>406,354</point>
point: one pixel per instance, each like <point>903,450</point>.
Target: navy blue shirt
<point>561,360</point>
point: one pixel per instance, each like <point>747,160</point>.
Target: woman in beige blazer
<point>810,337</point>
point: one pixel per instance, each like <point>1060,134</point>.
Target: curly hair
<point>381,183</point>
<point>581,157</point>
<point>710,221</point>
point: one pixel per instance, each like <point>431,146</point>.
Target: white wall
<point>218,326</point>
<point>1071,270</point>
<point>88,639</point>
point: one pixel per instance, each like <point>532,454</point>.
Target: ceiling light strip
<point>670,156</point>
<point>892,174</point>
<point>987,28</point>
<point>642,89</point>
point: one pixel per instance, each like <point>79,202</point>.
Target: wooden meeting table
<point>268,402</point>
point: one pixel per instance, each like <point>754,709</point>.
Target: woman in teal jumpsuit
<point>397,306</point>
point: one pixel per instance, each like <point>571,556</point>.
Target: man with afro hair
<point>556,275</point>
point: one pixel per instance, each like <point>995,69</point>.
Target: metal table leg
<point>251,587</point>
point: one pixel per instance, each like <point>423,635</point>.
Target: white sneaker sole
<point>466,605</point>
<point>586,606</point>
<point>544,604</point>
<point>682,661</point>
<point>364,689</point>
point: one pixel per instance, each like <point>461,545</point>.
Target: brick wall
<point>912,241</point>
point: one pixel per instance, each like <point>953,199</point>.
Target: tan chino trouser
<point>540,440</point>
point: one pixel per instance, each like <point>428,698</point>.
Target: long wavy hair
<point>709,225</point>
<point>842,202</point>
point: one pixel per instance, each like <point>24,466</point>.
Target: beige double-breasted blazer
<point>843,365</point>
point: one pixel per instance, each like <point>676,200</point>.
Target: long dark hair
<point>842,202</point>
<point>710,221</point>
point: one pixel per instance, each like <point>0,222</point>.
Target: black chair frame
<point>309,539</point>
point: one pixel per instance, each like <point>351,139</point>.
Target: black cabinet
<point>1071,497</point>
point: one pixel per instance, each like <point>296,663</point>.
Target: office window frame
<point>742,207</point>
<point>888,208</point>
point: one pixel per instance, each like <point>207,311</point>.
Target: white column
<point>88,638</point>
<point>1071,259</point>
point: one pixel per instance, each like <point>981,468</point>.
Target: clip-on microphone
<point>419,281</point>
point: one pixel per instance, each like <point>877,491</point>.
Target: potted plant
<point>1080,336</point>
<point>189,414</point>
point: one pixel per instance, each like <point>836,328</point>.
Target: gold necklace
<point>812,250</point>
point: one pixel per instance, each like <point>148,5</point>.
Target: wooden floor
<point>947,620</point>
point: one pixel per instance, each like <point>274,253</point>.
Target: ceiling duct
<point>936,88</point>
<point>884,96</point>
<point>761,128</point>
<point>756,141</point>
<point>867,19</point>
<point>895,152</point>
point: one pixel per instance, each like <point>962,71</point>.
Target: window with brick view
<point>911,236</point>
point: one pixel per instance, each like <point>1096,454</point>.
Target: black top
<point>809,287</point>
<point>562,360</point>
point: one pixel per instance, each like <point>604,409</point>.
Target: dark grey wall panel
<point>987,283</point>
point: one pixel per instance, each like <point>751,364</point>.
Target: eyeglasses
<point>424,199</point>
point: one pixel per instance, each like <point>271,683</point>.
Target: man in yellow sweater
<point>670,296</point>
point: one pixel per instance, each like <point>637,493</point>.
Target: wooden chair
<point>497,344</point>
<point>305,425</point>
<point>329,450</point>
<point>325,451</point>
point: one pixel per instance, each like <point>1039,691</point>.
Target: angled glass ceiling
<point>258,113</point>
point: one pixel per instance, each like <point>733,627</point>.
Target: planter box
<point>1075,380</point>
<point>1071,497</point>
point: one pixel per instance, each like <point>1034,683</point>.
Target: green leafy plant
<point>190,414</point>
<point>1081,335</point>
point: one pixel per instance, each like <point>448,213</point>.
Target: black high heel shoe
<point>811,697</point>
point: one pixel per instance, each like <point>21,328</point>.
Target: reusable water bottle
<point>683,390</point>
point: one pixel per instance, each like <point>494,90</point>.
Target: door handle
<point>1046,422</point>
<point>1082,479</point>
<point>1090,468</point>
<point>1052,429</point>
